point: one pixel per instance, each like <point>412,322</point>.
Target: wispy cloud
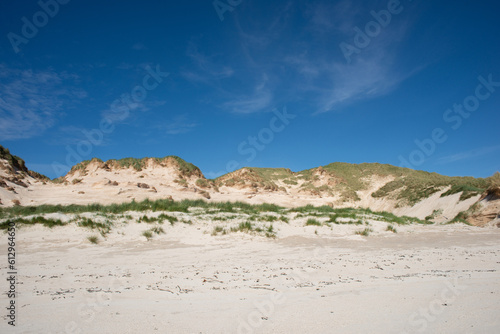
<point>468,154</point>
<point>306,65</point>
<point>374,72</point>
<point>370,77</point>
<point>31,101</point>
<point>207,69</point>
<point>209,73</point>
<point>259,100</point>
<point>119,112</point>
<point>178,125</point>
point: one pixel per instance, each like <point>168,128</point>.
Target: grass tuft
<point>158,230</point>
<point>93,239</point>
<point>391,228</point>
<point>366,232</point>
<point>148,234</point>
<point>313,222</point>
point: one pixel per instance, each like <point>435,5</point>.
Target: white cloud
<point>178,125</point>
<point>31,101</point>
<point>260,100</point>
<point>468,154</point>
<point>374,72</point>
<point>308,65</point>
<point>125,109</point>
<point>210,74</point>
<point>207,68</point>
<point>368,78</point>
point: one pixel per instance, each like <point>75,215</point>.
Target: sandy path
<point>419,282</point>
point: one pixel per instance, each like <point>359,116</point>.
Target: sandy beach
<point>439,279</point>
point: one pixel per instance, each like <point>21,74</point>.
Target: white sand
<point>429,279</point>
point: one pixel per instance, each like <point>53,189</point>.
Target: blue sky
<point>273,84</point>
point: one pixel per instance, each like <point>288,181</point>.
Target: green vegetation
<point>461,217</point>
<point>147,219</point>
<point>366,232</point>
<point>223,218</point>
<point>148,234</point>
<point>392,218</point>
<point>346,213</point>
<point>467,191</point>
<point>414,186</point>
<point>243,227</point>
<point>93,239</point>
<point>434,214</point>
<point>14,161</point>
<point>182,182</point>
<point>160,219</point>
<point>221,211</point>
<point>157,230</point>
<point>202,183</point>
<point>104,228</point>
<point>313,222</point>
<point>83,165</point>
<point>158,205</point>
<point>47,222</point>
<point>265,218</point>
<point>221,207</point>
<point>246,227</point>
<point>272,174</point>
<point>270,233</point>
<point>171,219</point>
<point>391,228</point>
<point>264,178</point>
<point>334,219</point>
<point>218,229</point>
<point>185,168</point>
<point>494,180</point>
<point>325,209</point>
<point>409,186</point>
<point>137,164</point>
<point>232,210</point>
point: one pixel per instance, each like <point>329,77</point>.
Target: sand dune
<point>214,269</point>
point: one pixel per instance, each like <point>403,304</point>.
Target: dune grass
<point>184,206</point>
<point>313,222</point>
<point>147,234</point>
<point>93,239</point>
<point>467,191</point>
<point>146,205</point>
<point>157,230</point>
<point>461,217</point>
<point>391,228</point>
<point>103,228</point>
<point>246,227</point>
<point>366,232</point>
<point>47,222</point>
